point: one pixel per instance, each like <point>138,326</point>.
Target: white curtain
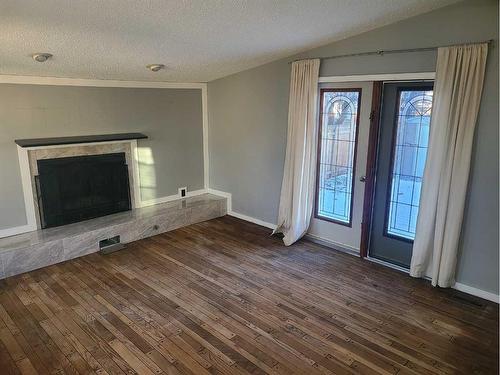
<point>297,189</point>
<point>457,94</point>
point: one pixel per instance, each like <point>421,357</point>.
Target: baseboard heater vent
<point>110,245</point>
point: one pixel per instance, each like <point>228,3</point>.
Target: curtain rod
<point>389,51</point>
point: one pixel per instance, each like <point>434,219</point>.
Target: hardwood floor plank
<point>223,297</point>
<point>26,367</point>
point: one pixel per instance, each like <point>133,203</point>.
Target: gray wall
<point>172,157</point>
<point>248,120</point>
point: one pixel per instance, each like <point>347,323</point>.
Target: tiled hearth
<point>28,251</point>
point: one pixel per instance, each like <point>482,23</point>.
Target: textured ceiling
<point>198,40</point>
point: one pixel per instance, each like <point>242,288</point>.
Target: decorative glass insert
<point>409,153</point>
<point>337,148</point>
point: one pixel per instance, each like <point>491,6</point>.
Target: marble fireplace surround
<point>60,151</point>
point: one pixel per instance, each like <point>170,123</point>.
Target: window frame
<point>318,154</point>
<point>386,233</point>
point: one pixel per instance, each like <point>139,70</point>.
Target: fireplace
<point>77,188</point>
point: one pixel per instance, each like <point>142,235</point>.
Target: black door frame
<point>371,167</point>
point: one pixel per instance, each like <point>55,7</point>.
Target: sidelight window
<point>339,116</point>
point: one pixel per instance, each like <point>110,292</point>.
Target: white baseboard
<point>16,230</point>
<point>477,292</point>
<point>169,198</point>
<point>193,193</point>
<point>230,211</point>
<point>332,244</point>
<point>252,220</point>
<point>457,286</point>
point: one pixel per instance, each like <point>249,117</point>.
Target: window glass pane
<point>338,122</point>
<point>410,152</point>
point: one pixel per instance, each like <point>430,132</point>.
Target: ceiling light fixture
<point>155,67</point>
<point>41,57</point>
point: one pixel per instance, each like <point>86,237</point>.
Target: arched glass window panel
<point>337,147</point>
<point>409,155</point>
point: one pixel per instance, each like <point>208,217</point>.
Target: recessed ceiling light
<point>155,67</point>
<point>41,57</point>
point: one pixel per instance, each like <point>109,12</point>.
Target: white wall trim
<point>29,204</point>
<point>169,198</point>
<point>230,211</point>
<point>60,81</point>
<point>477,292</point>
<point>457,286</point>
<point>379,77</point>
<point>16,230</point>
<point>332,244</point>
<point>136,177</point>
<point>252,220</point>
<point>206,158</point>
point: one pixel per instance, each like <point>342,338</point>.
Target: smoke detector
<point>155,67</point>
<point>41,57</point>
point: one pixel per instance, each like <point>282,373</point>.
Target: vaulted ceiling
<point>197,40</point>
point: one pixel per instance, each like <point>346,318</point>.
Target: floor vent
<point>110,245</point>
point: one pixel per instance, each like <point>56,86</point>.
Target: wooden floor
<point>223,297</point>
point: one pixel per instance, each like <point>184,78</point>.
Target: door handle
<point>362,178</point>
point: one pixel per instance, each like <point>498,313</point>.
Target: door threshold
<point>387,264</point>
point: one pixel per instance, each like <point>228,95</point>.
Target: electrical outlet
<point>183,192</point>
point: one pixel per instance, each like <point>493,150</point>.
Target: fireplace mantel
<point>57,141</point>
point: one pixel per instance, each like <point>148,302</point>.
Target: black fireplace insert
<point>78,188</point>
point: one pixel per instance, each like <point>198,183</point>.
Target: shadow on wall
<point>147,173</point>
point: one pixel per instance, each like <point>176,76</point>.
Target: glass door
<point>402,151</point>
